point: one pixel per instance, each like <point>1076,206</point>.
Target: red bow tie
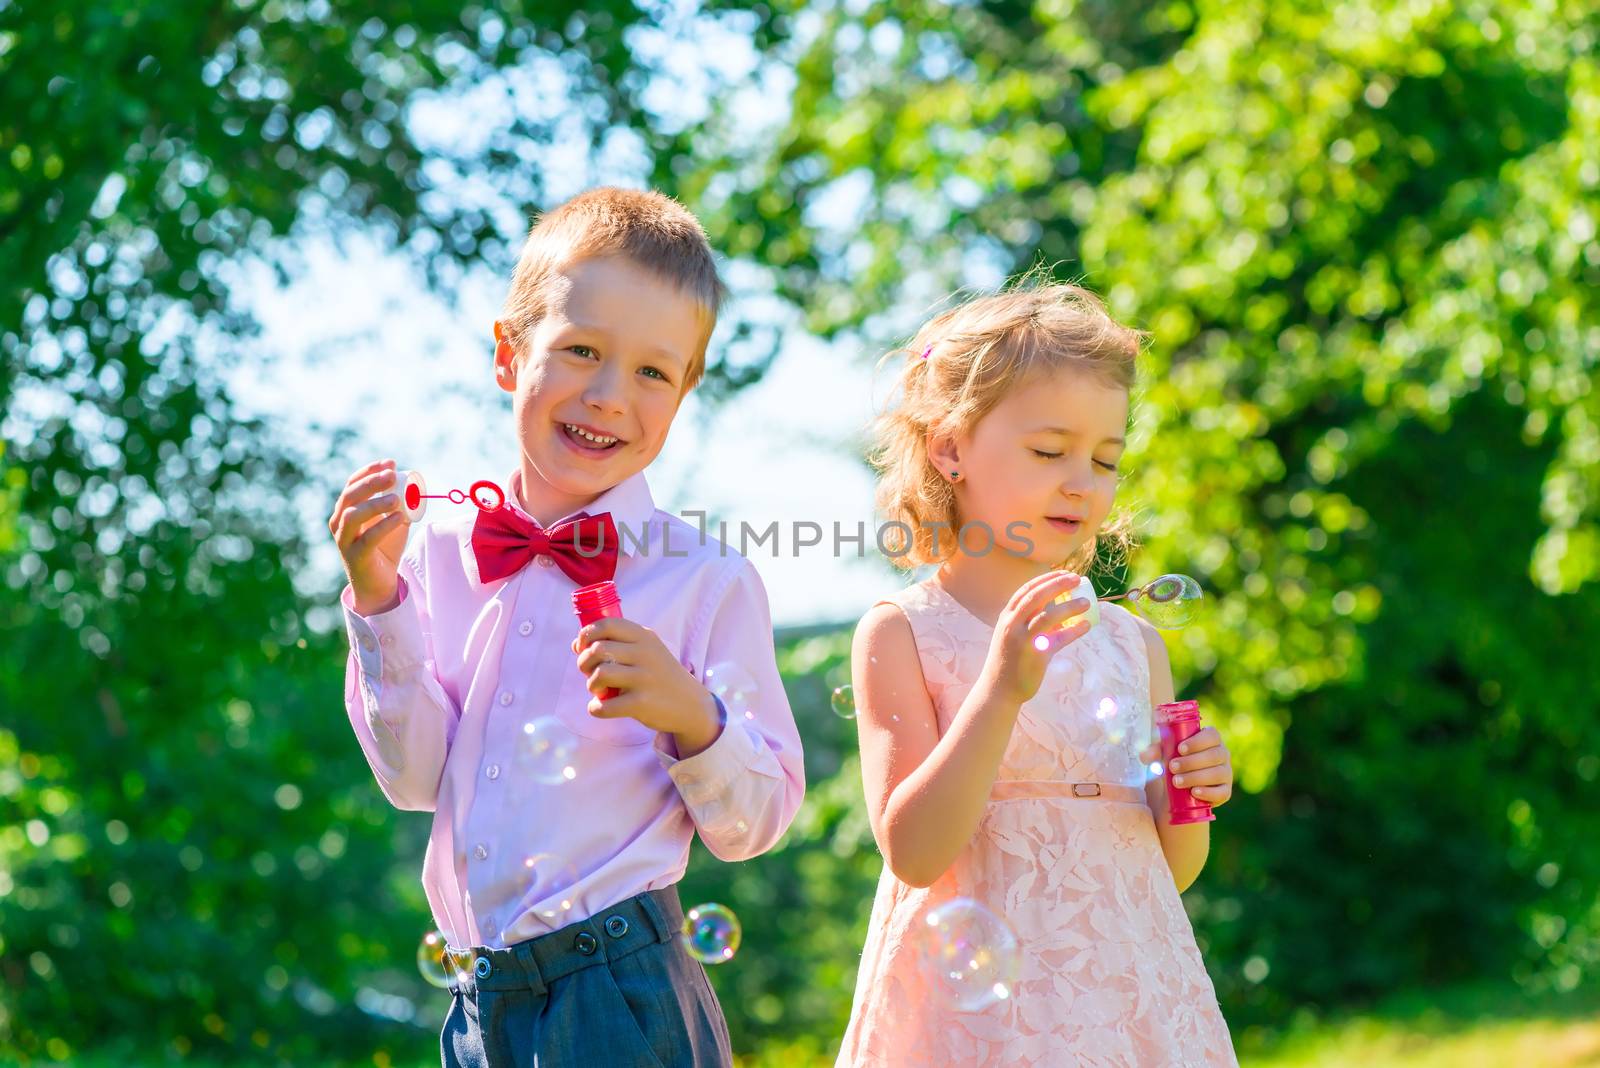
<point>504,540</point>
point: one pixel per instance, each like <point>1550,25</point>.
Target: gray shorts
<point>616,990</point>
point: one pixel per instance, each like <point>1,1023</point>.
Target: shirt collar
<point>629,502</point>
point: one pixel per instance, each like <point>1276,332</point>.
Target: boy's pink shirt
<point>438,690</point>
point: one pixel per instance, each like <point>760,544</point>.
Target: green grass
<point>1464,1027</point>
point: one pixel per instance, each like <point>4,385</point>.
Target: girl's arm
<point>1186,846</point>
<point>926,793</point>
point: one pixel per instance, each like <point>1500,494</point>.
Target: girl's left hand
<point>1204,765</point>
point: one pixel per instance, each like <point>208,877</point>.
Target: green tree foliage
<point>191,855</point>
<point>1362,237</point>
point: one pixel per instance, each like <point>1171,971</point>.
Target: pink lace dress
<point>1110,973</point>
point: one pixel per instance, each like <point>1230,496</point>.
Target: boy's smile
<point>601,379</point>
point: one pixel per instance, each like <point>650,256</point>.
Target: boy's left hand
<point>1203,764</point>
<point>655,688</point>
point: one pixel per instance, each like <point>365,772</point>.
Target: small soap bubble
<point>1169,602</point>
<point>546,751</point>
<point>1153,771</point>
<point>1109,715</point>
<point>734,685</point>
<point>844,702</point>
<point>970,953</point>
<point>549,880</point>
<point>431,960</point>
<point>711,933</point>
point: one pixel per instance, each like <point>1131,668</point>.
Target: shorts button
<point>616,926</point>
<point>585,943</point>
<point>482,968</point>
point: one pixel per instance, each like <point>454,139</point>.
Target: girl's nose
<point>1077,483</point>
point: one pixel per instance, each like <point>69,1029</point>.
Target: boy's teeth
<point>591,437</point>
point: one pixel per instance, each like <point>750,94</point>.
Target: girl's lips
<point>1068,526</point>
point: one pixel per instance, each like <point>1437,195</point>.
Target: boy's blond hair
<point>653,231</point>
<point>956,370</point>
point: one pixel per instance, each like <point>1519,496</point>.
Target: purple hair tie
<point>927,350</point>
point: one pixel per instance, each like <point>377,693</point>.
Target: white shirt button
<point>366,643</point>
<point>480,851</point>
<point>493,771</point>
<point>525,628</point>
<point>505,697</point>
<point>387,639</point>
<point>544,561</point>
<point>489,926</point>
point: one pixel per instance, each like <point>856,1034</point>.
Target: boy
<point>465,675</point>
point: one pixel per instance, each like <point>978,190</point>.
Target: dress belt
<point>1028,789</point>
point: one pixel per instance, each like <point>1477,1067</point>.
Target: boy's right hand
<point>370,530</point>
<point>1015,666</point>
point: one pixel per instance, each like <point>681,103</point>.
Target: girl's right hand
<point>1015,666</point>
<point>370,530</point>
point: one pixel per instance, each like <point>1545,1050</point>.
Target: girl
<point>1000,744</point>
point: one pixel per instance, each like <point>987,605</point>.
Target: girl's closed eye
<point>1109,465</point>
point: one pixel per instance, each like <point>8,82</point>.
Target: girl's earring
<point>955,476</point>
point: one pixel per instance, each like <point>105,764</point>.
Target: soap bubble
<point>1108,714</point>
<point>548,881</point>
<point>970,953</point>
<point>1063,665</point>
<point>546,751</point>
<point>734,685</point>
<point>711,933</point>
<point>844,702</point>
<point>1169,602</point>
<point>436,961</point>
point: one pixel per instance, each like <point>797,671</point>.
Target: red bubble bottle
<point>596,602</point>
<point>1178,721</point>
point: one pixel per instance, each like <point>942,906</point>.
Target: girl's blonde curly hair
<point>957,368</point>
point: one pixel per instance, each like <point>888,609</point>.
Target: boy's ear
<point>505,358</point>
